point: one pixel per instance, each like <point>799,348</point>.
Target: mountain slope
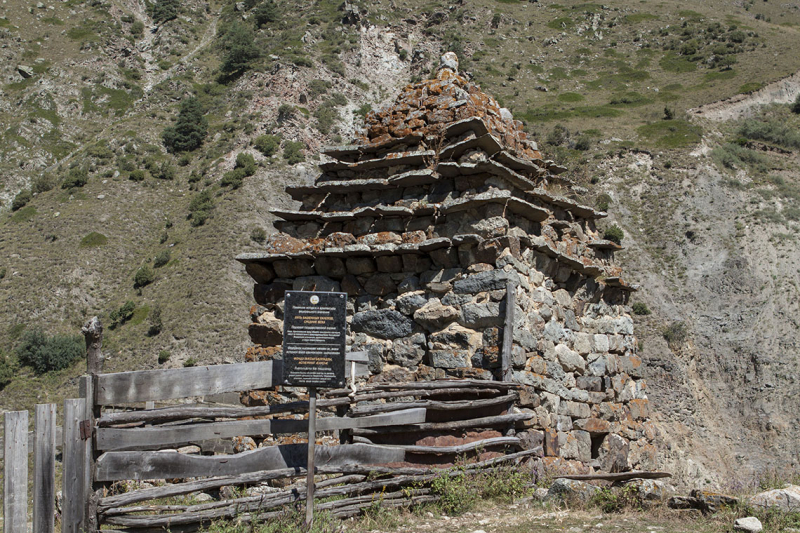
<point>88,90</point>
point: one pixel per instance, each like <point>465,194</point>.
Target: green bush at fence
<point>45,353</point>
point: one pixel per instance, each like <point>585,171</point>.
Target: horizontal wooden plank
<point>433,405</point>
<point>449,450</point>
<point>153,385</point>
<point>114,466</point>
<point>155,437</point>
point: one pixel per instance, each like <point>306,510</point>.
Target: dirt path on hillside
<point>154,77</point>
<point>783,91</point>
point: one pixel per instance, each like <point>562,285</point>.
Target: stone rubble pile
<point>424,224</point>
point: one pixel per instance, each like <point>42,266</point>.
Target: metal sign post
<point>314,329</point>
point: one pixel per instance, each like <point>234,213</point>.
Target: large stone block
<point>383,323</point>
<point>259,272</point>
<point>449,358</point>
<point>481,315</point>
<point>551,442</point>
<point>360,265</point>
<point>612,454</point>
<point>434,316</point>
<point>576,445</point>
<point>485,281</point>
<point>389,263</point>
<point>574,409</point>
<point>380,285</point>
<point>408,351</point>
<point>352,286</point>
<point>293,268</point>
<point>270,334</point>
<point>570,360</point>
<point>333,267</point>
<point>409,302</point>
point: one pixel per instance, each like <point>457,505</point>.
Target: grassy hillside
<point>90,192</point>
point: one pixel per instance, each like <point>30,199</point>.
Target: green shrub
<point>775,131</point>
<point>233,178</point>
<point>123,314</point>
<point>164,10</point>
<point>733,156</point>
<point>136,175</point>
<point>93,240</point>
<point>163,356</point>
<point>675,334</point>
<point>240,50</point>
<point>246,162</point>
<point>44,353</point>
<point>200,208</point>
<point>190,128</point>
<point>76,177</point>
<point>165,172</point>
<point>190,362</point>
<point>258,235</point>
<point>456,495</point>
<point>293,152</point>
<point>617,501</point>
<point>8,369</point>
<point>640,308</point>
<point>795,107</point>
<point>603,201</point>
<point>318,87</point>
<point>42,183</point>
<point>285,112</point>
<point>3,272</point>
<point>21,199</point>
<point>144,276</point>
<point>583,143</point>
<point>161,259</point>
<point>267,144</point>
<point>614,234</point>
<point>326,116</point>
<point>137,28</point>
<point>156,324</point>
<point>265,13</point>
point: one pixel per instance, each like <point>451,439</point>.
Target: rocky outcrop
<point>443,208</point>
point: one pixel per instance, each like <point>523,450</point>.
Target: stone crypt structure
<point>441,205</point>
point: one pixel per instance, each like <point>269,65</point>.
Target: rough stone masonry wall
<point>424,228</point>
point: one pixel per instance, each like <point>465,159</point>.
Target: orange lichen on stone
<point>423,108</point>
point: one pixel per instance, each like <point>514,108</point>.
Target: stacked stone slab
<point>424,223</point>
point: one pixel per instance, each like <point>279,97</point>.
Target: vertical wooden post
<point>508,331</point>
<point>73,478</point>
<point>44,469</point>
<point>93,336</point>
<point>312,442</point>
<point>15,472</point>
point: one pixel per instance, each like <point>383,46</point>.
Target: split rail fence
<point>114,433</point>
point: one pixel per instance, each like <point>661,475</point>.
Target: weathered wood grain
<point>153,385</point>
<point>508,332</point>
<point>72,517</point>
<point>462,448</point>
<point>620,476</point>
<point>113,466</point>
<point>152,437</point>
<point>433,405</point>
<point>44,469</point>
<point>487,421</point>
<point>15,472</point>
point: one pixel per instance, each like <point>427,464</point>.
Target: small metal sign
<point>314,329</point>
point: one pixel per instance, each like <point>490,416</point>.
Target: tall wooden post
<point>312,443</point>
<point>15,472</point>
<point>93,335</point>
<point>44,469</point>
<point>508,332</point>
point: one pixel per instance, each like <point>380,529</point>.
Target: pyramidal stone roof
<point>442,168</point>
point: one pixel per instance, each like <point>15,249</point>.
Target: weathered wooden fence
<point>393,440</point>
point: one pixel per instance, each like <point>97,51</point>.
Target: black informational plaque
<point>314,330</point>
